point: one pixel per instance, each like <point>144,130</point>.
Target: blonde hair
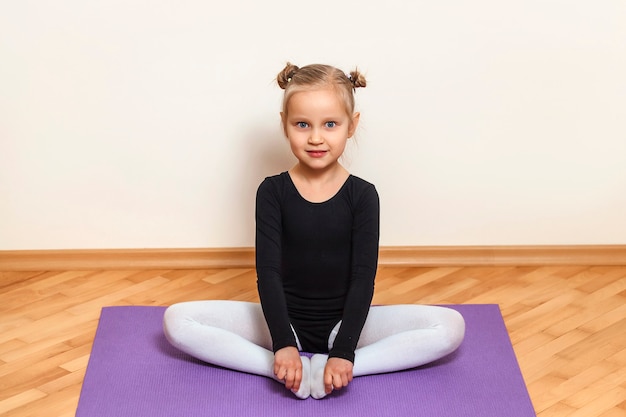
<point>317,76</point>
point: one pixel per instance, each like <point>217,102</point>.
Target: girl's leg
<point>398,337</point>
<point>231,334</point>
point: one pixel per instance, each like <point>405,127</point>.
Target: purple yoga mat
<point>133,371</point>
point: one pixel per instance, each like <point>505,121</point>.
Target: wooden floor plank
<point>19,400</point>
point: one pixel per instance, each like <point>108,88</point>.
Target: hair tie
<point>352,81</point>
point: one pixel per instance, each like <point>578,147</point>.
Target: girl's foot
<point>318,364</point>
<point>305,385</point>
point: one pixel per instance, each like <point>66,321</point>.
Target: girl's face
<point>318,127</point>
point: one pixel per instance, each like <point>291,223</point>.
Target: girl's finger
<point>338,382</point>
<point>289,378</point>
<point>328,382</point>
<point>297,380</point>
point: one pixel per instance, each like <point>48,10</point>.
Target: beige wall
<point>130,124</point>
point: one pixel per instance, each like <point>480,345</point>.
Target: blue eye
<point>302,125</point>
<point>331,124</point>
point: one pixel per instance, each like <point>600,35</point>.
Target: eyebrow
<point>327,118</point>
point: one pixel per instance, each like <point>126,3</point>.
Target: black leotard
<point>316,263</point>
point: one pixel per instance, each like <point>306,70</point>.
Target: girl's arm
<point>365,235</point>
<point>268,265</point>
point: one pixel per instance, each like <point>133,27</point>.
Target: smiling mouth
<point>316,154</point>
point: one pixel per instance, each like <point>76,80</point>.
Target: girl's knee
<point>169,319</point>
<point>173,322</point>
<point>454,329</point>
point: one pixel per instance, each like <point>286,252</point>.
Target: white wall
<point>132,124</point>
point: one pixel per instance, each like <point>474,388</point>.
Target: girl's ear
<point>283,121</point>
<point>354,123</point>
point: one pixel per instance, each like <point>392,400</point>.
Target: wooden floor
<point>567,325</point>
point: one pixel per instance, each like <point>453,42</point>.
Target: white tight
<point>234,334</point>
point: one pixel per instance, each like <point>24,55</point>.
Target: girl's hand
<point>337,374</point>
<point>288,367</point>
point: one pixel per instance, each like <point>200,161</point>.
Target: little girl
<point>317,229</point>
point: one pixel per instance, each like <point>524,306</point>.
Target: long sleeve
<point>364,255</point>
<point>268,265</point>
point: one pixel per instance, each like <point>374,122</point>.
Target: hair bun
<point>286,74</point>
<point>357,79</point>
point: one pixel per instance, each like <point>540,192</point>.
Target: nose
<point>316,137</point>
